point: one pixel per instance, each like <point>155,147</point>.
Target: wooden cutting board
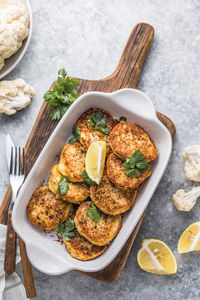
<point>126,75</point>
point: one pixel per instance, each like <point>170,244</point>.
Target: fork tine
<point>11,160</point>
<point>19,161</point>
<point>23,162</point>
<point>15,168</point>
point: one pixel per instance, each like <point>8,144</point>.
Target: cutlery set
<point>16,166</point>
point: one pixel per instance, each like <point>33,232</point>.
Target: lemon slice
<point>95,160</point>
<point>190,239</point>
<point>156,257</point>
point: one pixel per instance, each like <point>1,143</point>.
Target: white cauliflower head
<point>186,201</point>
<point>14,95</point>
<point>14,27</point>
<point>191,157</point>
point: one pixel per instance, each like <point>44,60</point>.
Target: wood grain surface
<point>27,271</point>
<point>126,75</point>
<point>10,249</point>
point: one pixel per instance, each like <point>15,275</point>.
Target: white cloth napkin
<point>11,287</point>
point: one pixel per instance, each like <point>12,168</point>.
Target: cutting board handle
<point>130,65</point>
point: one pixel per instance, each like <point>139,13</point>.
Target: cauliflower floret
<point>191,157</point>
<point>14,27</point>
<point>1,62</point>
<point>185,201</point>
<point>14,95</point>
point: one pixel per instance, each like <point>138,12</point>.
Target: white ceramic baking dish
<point>50,256</point>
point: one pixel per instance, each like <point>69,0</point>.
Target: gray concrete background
<point>87,37</point>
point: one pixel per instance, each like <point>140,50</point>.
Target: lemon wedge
<point>156,257</point>
<point>190,239</point>
<point>95,160</point>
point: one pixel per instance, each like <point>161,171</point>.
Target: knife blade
<point>9,145</point>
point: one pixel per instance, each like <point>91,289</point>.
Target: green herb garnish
<point>66,230</point>
<point>63,186</point>
<point>76,132</point>
<point>123,119</point>
<point>94,213</point>
<point>86,178</point>
<point>63,95</point>
<point>136,164</point>
<point>98,121</point>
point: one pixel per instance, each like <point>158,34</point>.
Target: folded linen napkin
<point>11,287</point>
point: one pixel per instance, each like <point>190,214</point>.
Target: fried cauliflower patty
<point>110,199</point>
<point>45,210</point>
<point>125,138</point>
<point>72,162</point>
<point>88,135</point>
<point>77,192</point>
<point>98,233</point>
<point>79,247</point>
<point>117,174</point>
<point>82,249</point>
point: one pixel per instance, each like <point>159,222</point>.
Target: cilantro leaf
<point>63,186</point>
<point>68,235</point>
<point>55,113</point>
<point>60,228</point>
<point>142,165</point>
<point>94,213</point>
<point>86,178</point>
<point>133,172</point>
<point>69,225</point>
<point>98,121</point>
<point>64,93</point>
<point>123,119</point>
<point>72,140</point>
<point>136,164</point>
<point>66,230</point>
<point>137,156</point>
<point>76,132</point>
<point>62,72</point>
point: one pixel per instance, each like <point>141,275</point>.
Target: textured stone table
<point>87,37</point>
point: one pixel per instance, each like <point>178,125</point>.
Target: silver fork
<point>17,175</point>
<point>17,172</point>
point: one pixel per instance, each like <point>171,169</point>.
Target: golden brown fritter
<point>98,233</point>
<point>110,199</point>
<point>125,138</point>
<point>82,249</point>
<point>45,210</point>
<point>77,192</point>
<point>79,247</point>
<point>88,135</point>
<point>117,174</point>
<point>72,162</point>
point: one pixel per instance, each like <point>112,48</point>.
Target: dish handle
<point>45,262</point>
<point>129,99</point>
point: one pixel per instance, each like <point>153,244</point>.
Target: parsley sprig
<point>76,132</point>
<point>98,121</point>
<point>63,186</point>
<point>94,213</point>
<point>66,230</point>
<point>136,164</point>
<point>86,178</point>
<point>122,119</point>
<point>62,96</point>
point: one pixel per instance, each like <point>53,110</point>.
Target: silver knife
<point>9,145</point>
<point>11,237</point>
